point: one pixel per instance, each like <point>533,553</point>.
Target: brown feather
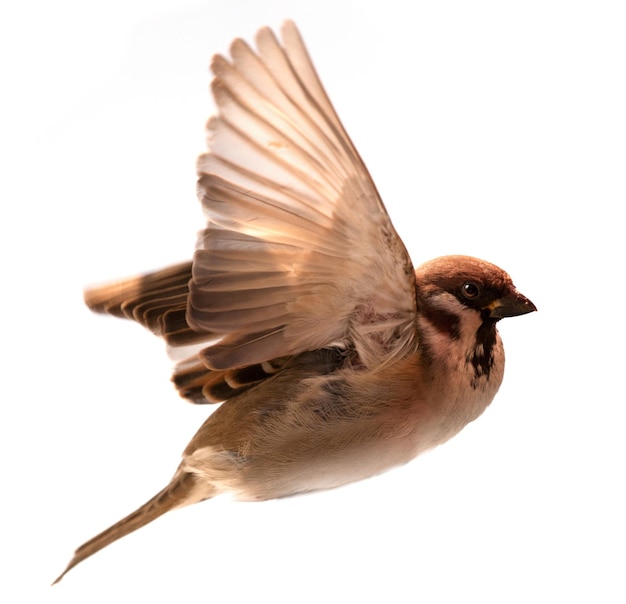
<point>184,489</point>
<point>301,309</point>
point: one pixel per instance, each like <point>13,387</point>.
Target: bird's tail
<point>184,489</point>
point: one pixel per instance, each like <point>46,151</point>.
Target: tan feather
<point>286,194</point>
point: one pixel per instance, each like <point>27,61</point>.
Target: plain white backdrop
<point>491,128</point>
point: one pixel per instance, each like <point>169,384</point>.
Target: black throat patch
<point>481,357</point>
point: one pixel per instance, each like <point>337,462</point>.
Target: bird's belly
<point>336,435</point>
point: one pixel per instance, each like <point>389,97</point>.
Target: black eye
<point>470,290</point>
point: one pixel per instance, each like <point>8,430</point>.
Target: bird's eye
<point>470,291</point>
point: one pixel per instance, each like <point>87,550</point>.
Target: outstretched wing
<point>299,252</point>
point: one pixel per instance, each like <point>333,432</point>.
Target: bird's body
<point>301,310</point>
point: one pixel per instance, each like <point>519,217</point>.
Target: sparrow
<point>333,358</point>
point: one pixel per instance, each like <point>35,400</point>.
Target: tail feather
<point>184,489</point>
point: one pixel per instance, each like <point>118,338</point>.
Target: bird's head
<point>455,283</point>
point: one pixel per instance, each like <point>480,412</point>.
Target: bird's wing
<point>299,251</point>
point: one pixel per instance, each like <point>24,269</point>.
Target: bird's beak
<point>511,305</point>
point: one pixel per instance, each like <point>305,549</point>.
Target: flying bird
<point>333,358</point>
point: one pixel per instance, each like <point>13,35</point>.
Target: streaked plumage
<point>301,308</point>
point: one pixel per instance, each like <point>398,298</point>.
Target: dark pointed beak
<point>511,305</point>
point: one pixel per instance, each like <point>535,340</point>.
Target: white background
<point>495,129</point>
